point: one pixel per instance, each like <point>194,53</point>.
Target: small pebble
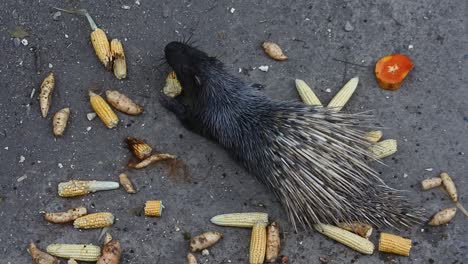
<point>429,169</point>
<point>90,116</point>
<point>6,148</point>
<point>348,27</point>
<point>17,42</point>
<point>56,15</point>
<point>22,178</point>
<point>24,42</point>
<point>205,252</point>
<point>405,175</point>
<point>328,90</point>
<point>60,165</point>
<point>88,128</point>
<point>66,35</point>
<point>51,66</point>
<point>263,68</point>
<point>137,2</point>
<point>22,158</point>
<point>232,10</point>
<point>126,7</point>
<point>410,47</point>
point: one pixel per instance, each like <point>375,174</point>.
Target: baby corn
<point>239,219</point>
<point>343,95</point>
<point>346,238</point>
<point>258,243</point>
<point>383,149</point>
<point>81,252</point>
<point>77,188</point>
<point>96,220</point>
<point>103,110</point>
<point>373,136</point>
<point>389,243</point>
<point>307,94</point>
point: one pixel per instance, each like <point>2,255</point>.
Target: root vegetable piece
<point>172,87</point>
<point>151,160</point>
<point>103,110</point>
<point>431,183</point>
<point>40,257</point>
<point>449,186</point>
<point>191,259</point>
<point>118,55</point>
<point>139,147</point>
<point>273,243</point>
<point>122,103</point>
<point>258,242</point>
<point>111,253</point>
<point>153,208</point>
<point>361,229</point>
<point>45,96</point>
<point>60,121</point>
<point>274,51</point>
<point>391,70</point>
<point>205,240</point>
<point>394,244</point>
<point>65,217</point>
<point>443,217</point>
<point>126,183</point>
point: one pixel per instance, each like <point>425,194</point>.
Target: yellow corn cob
<point>118,55</point>
<point>239,219</point>
<point>343,95</point>
<point>383,149</point>
<point>139,147</point>
<point>96,220</point>
<point>172,87</point>
<point>394,244</point>
<point>103,110</point>
<point>101,47</point>
<point>346,238</point>
<point>258,243</point>
<point>81,252</point>
<point>153,208</point>
<point>307,94</point>
<point>373,136</point>
<point>77,188</point>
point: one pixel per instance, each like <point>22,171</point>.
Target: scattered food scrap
<point>346,238</point>
<point>111,252</point>
<point>40,257</point>
<point>83,252</point>
<point>239,219</point>
<point>45,96</point>
<point>126,183</point>
<point>391,70</point>
<point>258,242</point>
<point>118,56</point>
<point>361,229</point>
<point>274,51</point>
<point>443,217</point>
<point>172,87</point>
<point>273,244</point>
<point>383,148</point>
<point>65,217</point>
<point>103,110</point>
<point>95,220</point>
<point>343,95</point>
<point>122,103</point>
<point>153,208</point>
<point>428,184</point>
<point>205,240</point>
<point>60,121</point>
<point>394,244</point>
<point>139,147</point>
<point>151,160</point>
<point>77,188</point>
<point>307,94</point>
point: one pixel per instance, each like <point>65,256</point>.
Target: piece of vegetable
<point>344,94</point>
<point>45,96</point>
<point>205,240</point>
<point>239,219</point>
<point>449,186</point>
<point>126,183</point>
<point>111,253</point>
<point>394,244</point>
<point>431,183</point>
<point>40,257</point>
<point>153,208</point>
<point>60,121</point>
<point>307,94</point>
<point>383,148</point>
<point>258,242</point>
<point>443,217</point>
<point>391,70</point>
<point>346,238</point>
<point>191,259</point>
<point>122,103</point>
<point>273,244</point>
<point>103,110</point>
<point>65,217</point>
<point>151,160</point>
<point>274,51</point>
<point>373,136</point>
<point>118,55</point>
<point>88,252</point>
<point>98,38</point>
<point>77,188</point>
<point>172,87</point>
<point>95,220</point>
<point>361,229</point>
<point>72,261</point>
<point>139,147</point>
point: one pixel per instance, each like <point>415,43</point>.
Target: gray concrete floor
<point>428,117</point>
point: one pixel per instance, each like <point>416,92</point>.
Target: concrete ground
<point>428,116</point>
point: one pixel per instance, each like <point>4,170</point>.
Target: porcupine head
<point>315,160</point>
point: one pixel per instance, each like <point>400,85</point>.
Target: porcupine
<point>314,159</point>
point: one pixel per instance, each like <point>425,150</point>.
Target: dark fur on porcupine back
<point>312,158</point>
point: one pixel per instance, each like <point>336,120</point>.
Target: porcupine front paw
<point>173,105</point>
